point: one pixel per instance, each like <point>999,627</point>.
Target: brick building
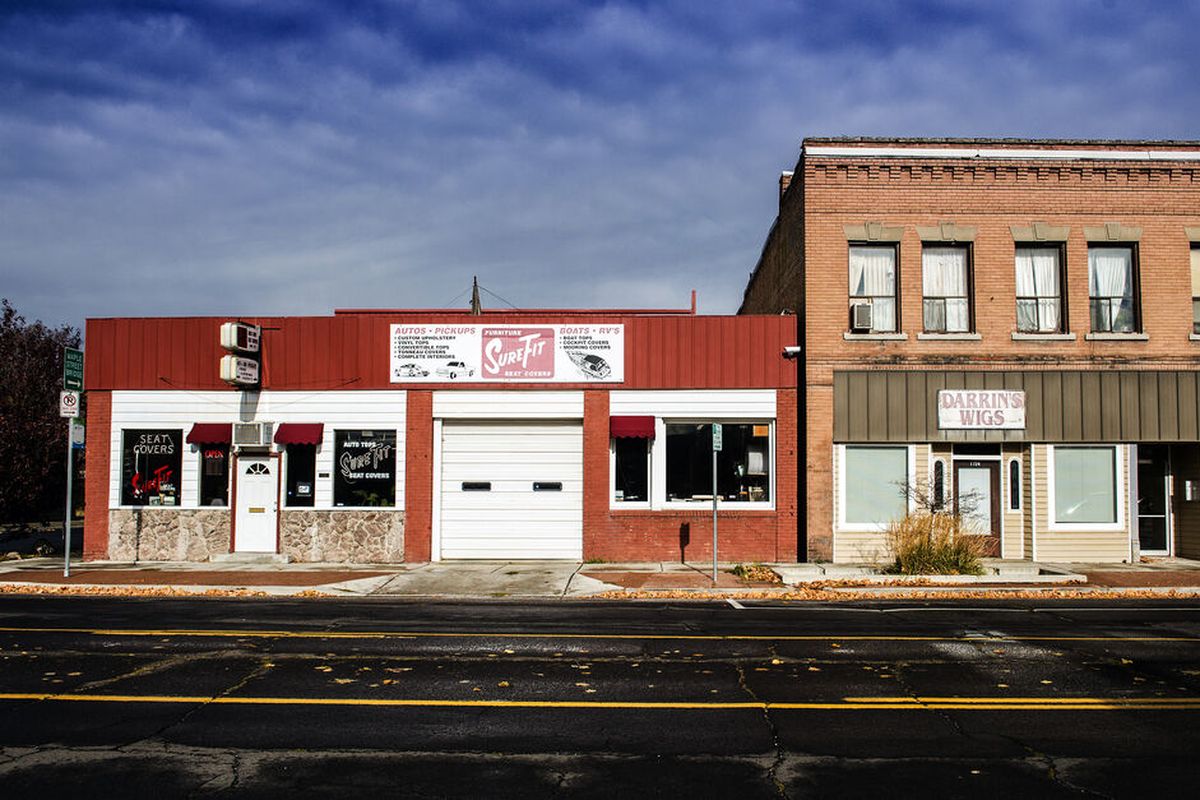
<point>384,436</point>
<point>1006,327</point>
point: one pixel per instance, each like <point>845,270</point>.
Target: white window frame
<point>871,527</point>
<point>1007,482</point>
<point>613,502</point>
<point>1119,489</point>
<point>947,493</point>
<point>658,466</point>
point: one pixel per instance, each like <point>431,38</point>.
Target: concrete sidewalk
<point>569,579</point>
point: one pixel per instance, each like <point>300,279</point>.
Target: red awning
<point>299,432</point>
<point>631,427</point>
<point>211,433</point>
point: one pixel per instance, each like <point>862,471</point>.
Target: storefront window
<point>364,468</point>
<point>632,470</point>
<point>875,481</point>
<point>301,475</point>
<point>214,475</point>
<point>150,467</point>
<point>1085,485</point>
<point>743,464</point>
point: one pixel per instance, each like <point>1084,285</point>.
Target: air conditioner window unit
<point>860,317</point>
<point>252,434</point>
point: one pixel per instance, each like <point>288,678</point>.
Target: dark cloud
<point>233,156</point>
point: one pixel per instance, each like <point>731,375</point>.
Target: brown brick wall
<point>418,477</point>
<point>96,467</point>
<point>1160,198</point>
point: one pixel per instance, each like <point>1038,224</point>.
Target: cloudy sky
<point>293,156</point>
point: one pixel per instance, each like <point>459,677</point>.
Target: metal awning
<point>211,433</point>
<point>631,427</point>
<point>299,433</point>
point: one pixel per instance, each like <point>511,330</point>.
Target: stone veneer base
<point>362,537</point>
<point>167,534</point>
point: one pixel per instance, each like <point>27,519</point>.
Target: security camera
<point>791,352</point>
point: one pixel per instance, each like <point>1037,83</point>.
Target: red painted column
<point>97,469</point>
<point>595,473</point>
<point>418,480</point>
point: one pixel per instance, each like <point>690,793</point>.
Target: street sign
<point>77,434</point>
<point>72,369</point>
<point>718,437</point>
<point>68,404</point>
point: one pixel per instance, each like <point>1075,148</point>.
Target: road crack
<point>780,755</point>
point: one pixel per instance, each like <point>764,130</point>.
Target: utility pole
<point>476,306</point>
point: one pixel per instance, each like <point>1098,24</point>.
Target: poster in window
<point>150,467</point>
<point>364,468</point>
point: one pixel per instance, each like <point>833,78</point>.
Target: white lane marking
<point>735,604</point>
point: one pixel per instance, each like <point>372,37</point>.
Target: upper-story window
<point>946,280</point>
<point>873,282</point>
<point>1195,289</point>
<point>1040,290</point>
<point>1112,288</point>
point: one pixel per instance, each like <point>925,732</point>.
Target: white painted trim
<point>869,527</point>
<point>1120,491</point>
<point>702,404</point>
<point>1001,154</point>
<point>507,404</point>
<point>1131,485</point>
<point>1033,509</point>
<point>435,532</point>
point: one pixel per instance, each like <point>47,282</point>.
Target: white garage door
<point>512,490</point>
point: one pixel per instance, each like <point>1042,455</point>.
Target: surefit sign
<point>981,409</point>
<point>508,353</point>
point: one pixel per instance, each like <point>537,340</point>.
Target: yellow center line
<point>847,704</point>
<point>285,634</point>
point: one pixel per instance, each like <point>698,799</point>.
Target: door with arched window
<point>257,504</point>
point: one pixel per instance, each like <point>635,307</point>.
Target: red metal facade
<point>351,351</point>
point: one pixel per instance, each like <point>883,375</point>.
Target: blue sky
<point>290,157</point>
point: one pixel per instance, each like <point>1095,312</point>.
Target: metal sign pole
<point>714,490</point>
<point>67,515</point>
<point>717,442</point>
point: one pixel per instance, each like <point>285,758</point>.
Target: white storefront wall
<point>174,409</point>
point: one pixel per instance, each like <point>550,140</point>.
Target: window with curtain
<point>876,484</point>
<point>873,280</point>
<point>1039,290</point>
<point>1195,289</point>
<point>1111,284</point>
<point>1085,485</point>
<point>946,285</point>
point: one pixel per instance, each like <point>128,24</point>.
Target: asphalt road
<point>204,697</point>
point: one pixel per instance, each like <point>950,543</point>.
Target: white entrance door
<point>257,504</point>
<point>512,490</point>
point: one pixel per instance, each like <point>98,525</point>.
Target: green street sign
<point>72,369</point>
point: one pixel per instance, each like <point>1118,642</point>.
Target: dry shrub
<point>925,543</point>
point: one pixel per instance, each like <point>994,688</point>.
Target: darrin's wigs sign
<point>508,353</point>
<point>982,409</point>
